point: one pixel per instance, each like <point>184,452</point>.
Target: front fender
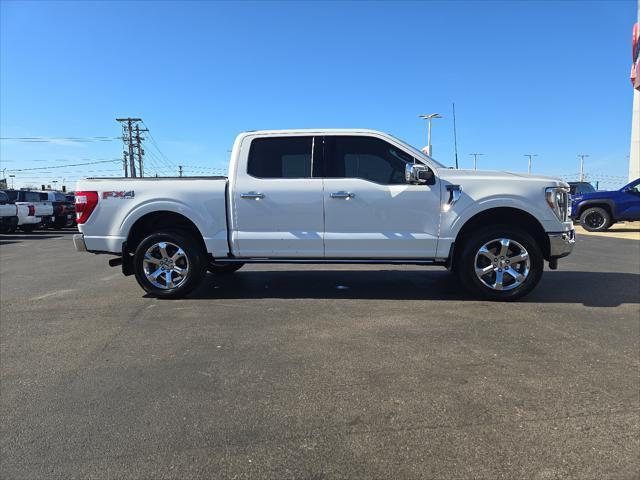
<point>577,209</point>
<point>454,221</point>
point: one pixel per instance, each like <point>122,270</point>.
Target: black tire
<point>196,263</point>
<point>465,263</point>
<point>595,219</point>
<point>28,228</point>
<point>226,269</point>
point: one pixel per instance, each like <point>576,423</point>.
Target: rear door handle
<point>252,195</point>
<point>344,195</point>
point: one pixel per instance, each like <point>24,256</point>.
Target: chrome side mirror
<point>416,173</point>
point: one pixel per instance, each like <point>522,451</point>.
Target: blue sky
<point>527,77</point>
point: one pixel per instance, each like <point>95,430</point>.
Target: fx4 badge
<point>129,194</point>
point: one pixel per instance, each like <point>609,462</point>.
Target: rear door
<point>370,210</point>
<point>277,202</point>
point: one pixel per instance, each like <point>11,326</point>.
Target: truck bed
<point>124,201</point>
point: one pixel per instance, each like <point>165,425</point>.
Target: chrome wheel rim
<point>502,264</point>
<point>595,220</point>
<point>165,265</point>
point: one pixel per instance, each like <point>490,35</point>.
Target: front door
<point>277,201</point>
<point>370,210</point>
<point>628,203</point>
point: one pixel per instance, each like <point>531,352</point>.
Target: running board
<point>377,261</point>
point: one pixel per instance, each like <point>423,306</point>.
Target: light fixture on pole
<point>428,118</point>
<point>530,155</point>
<point>475,159</point>
<point>582,157</point>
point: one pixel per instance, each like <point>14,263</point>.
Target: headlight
<point>558,200</point>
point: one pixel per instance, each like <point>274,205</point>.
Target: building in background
<point>634,153</point>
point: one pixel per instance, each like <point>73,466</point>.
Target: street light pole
<point>582,157</point>
<point>530,155</point>
<point>12,177</point>
<point>428,118</point>
<point>475,159</point>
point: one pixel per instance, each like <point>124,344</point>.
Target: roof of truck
<point>317,130</point>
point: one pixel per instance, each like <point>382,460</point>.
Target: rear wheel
<point>169,264</point>
<point>225,269</point>
<point>500,263</point>
<point>595,219</point>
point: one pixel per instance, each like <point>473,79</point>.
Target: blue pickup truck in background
<point>597,211</point>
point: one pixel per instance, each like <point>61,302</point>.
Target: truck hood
<point>460,176</point>
<point>595,195</point>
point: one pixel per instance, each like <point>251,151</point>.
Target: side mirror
<point>416,173</point>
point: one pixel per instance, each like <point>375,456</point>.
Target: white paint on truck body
<point>303,217</point>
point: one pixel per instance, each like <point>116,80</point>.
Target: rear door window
<point>280,157</point>
<point>32,197</point>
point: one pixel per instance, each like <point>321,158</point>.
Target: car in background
<point>14,215</point>
<point>39,212</point>
<point>579,188</point>
<point>8,215</point>
<point>597,211</point>
<point>64,212</point>
<point>71,199</point>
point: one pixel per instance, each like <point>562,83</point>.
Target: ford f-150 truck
<point>328,196</point>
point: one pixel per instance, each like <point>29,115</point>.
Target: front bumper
<point>561,243</point>
<point>78,242</point>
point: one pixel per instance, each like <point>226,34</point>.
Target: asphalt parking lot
<point>317,372</point>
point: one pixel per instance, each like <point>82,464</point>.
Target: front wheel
<point>28,228</point>
<point>595,219</point>
<point>169,264</point>
<point>500,263</point>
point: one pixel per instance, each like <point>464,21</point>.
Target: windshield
<point>417,153</point>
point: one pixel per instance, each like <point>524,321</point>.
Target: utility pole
<point>582,157</point>
<point>530,155</point>
<point>475,159</point>
<point>180,170</point>
<point>140,149</point>
<point>127,138</point>
<point>124,164</point>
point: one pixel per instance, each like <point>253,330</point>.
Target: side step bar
<point>378,261</point>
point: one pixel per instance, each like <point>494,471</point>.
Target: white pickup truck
<point>329,196</point>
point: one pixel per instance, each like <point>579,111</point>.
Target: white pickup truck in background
<point>38,212</point>
<point>20,214</point>
<point>329,196</point>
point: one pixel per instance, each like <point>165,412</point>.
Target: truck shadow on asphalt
<point>594,289</point>
<point>17,237</point>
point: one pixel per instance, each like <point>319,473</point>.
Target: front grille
<point>565,205</point>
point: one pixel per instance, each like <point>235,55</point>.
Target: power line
<point>168,162</point>
<point>53,139</point>
<point>63,166</point>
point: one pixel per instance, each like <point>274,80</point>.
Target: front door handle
<point>344,195</point>
<point>252,195</point>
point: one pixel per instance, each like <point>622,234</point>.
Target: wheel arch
<point>510,216</point>
<point>161,220</point>
<point>608,205</point>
